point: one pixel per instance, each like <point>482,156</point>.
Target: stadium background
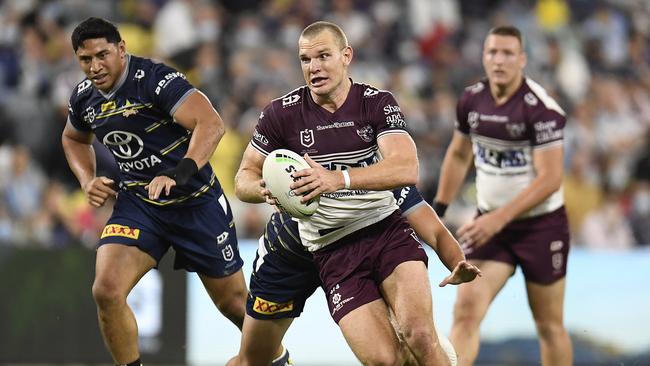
<point>592,56</point>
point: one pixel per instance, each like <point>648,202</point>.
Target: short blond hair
<point>317,27</point>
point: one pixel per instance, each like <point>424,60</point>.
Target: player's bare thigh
<point>131,262</point>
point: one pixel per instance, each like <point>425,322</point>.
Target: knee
<point>467,314</point>
<point>549,330</point>
<point>107,294</point>
<point>233,305</point>
<point>380,358</point>
<point>418,336</point>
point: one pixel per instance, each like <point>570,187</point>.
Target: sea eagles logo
<point>366,133</point>
<point>307,137</point>
<point>531,99</point>
<point>516,129</point>
<point>472,119</point>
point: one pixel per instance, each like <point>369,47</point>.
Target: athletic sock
<point>283,360</point>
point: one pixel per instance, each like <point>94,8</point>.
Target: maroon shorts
<point>540,245</point>
<point>353,267</point>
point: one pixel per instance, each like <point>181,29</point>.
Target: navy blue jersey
<point>134,121</point>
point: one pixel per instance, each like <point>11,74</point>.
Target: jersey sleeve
<point>266,136</point>
<point>547,128</point>
<point>387,116</point>
<point>462,114</point>
<point>169,88</point>
<point>75,116</point>
<point>408,199</point>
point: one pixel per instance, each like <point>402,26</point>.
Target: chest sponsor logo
<point>120,230</point>
<point>472,119</point>
<point>335,125</point>
<point>501,159</point>
<point>307,137</point>
<point>530,99</point>
<point>89,116</point>
<point>370,92</point>
<point>516,129</point>
<point>124,145</point>
<point>290,100</point>
<point>267,307</point>
<point>366,133</point>
<point>493,118</point>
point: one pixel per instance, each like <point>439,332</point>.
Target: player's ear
<point>121,47</point>
<point>348,54</point>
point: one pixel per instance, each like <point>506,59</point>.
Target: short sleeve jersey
<point>344,139</point>
<point>504,138</point>
<point>134,121</point>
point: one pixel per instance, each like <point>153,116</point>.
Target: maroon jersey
<point>344,139</point>
<point>504,138</point>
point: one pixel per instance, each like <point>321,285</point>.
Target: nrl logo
<point>472,119</point>
<point>89,117</point>
<point>307,137</point>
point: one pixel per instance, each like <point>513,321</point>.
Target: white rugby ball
<point>276,172</point>
<point>449,349</point>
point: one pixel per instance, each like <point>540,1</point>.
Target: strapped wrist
<point>182,173</point>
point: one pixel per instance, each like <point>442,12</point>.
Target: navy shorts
<point>203,236</point>
<point>353,268</point>
<point>540,245</point>
<point>281,283</point>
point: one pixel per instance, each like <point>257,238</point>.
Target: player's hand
<point>268,197</point>
<point>315,180</point>
<point>463,272</point>
<point>480,230</point>
<point>158,185</point>
<point>98,190</point>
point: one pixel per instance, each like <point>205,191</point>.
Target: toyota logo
<point>124,145</point>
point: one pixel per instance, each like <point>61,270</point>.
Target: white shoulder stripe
<point>541,93</point>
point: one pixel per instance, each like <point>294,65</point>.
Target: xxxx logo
<point>268,307</point>
<point>120,230</point>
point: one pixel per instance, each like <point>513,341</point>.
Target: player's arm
<point>248,180</point>
<point>81,158</point>
<point>455,165</point>
<point>548,168</point>
<point>431,230</point>
<point>196,114</point>
<point>398,168</point>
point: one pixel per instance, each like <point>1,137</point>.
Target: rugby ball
<point>276,172</point>
<point>449,349</point>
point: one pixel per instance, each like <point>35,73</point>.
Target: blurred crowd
<point>593,56</point>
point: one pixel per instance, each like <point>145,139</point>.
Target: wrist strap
<point>182,173</point>
<point>440,208</point>
<point>346,178</point>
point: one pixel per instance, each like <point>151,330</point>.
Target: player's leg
<point>260,341</point>
<point>229,295</point>
<point>370,335</point>
<point>547,305</point>
<point>472,301</point>
<point>408,292</point>
<point>118,268</point>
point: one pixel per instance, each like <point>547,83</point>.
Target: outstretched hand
<point>463,272</point>
<point>316,180</point>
